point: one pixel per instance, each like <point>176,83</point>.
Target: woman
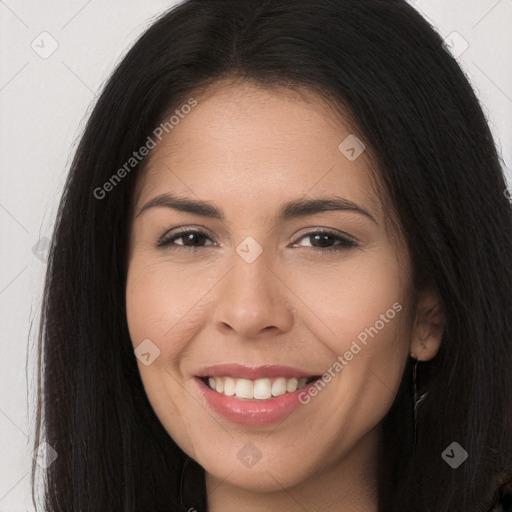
<point>281,273</point>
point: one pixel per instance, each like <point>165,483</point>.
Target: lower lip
<point>251,412</point>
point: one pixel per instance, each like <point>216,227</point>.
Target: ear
<point>428,327</point>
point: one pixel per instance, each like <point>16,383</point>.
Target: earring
<point>416,398</point>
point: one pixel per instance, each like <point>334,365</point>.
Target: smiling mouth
<point>256,389</point>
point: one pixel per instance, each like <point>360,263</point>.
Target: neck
<point>349,485</point>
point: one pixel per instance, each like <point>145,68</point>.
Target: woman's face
<point>259,289</point>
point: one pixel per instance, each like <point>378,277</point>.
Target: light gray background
<point>44,102</point>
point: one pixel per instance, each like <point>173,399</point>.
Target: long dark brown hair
<point>385,65</point>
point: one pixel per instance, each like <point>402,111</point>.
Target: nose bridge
<point>252,298</point>
<point>251,277</point>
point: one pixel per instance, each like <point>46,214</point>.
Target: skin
<point>248,150</point>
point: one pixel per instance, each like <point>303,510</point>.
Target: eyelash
<point>345,243</point>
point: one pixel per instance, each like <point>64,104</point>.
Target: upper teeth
<point>260,388</point>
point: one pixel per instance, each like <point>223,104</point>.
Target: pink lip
<point>251,412</point>
<point>238,371</point>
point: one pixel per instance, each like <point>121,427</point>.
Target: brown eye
<point>322,240</point>
<point>191,239</point>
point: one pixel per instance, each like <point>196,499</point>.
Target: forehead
<point>246,143</point>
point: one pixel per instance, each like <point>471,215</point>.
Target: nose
<point>253,300</point>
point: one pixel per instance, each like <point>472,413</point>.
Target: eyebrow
<point>292,209</point>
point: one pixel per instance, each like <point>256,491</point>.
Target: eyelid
<point>327,231</point>
<point>173,234</point>
<point>180,231</point>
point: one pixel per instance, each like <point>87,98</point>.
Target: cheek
<point>159,307</point>
<point>160,302</point>
<point>361,309</point>
<point>364,296</point>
